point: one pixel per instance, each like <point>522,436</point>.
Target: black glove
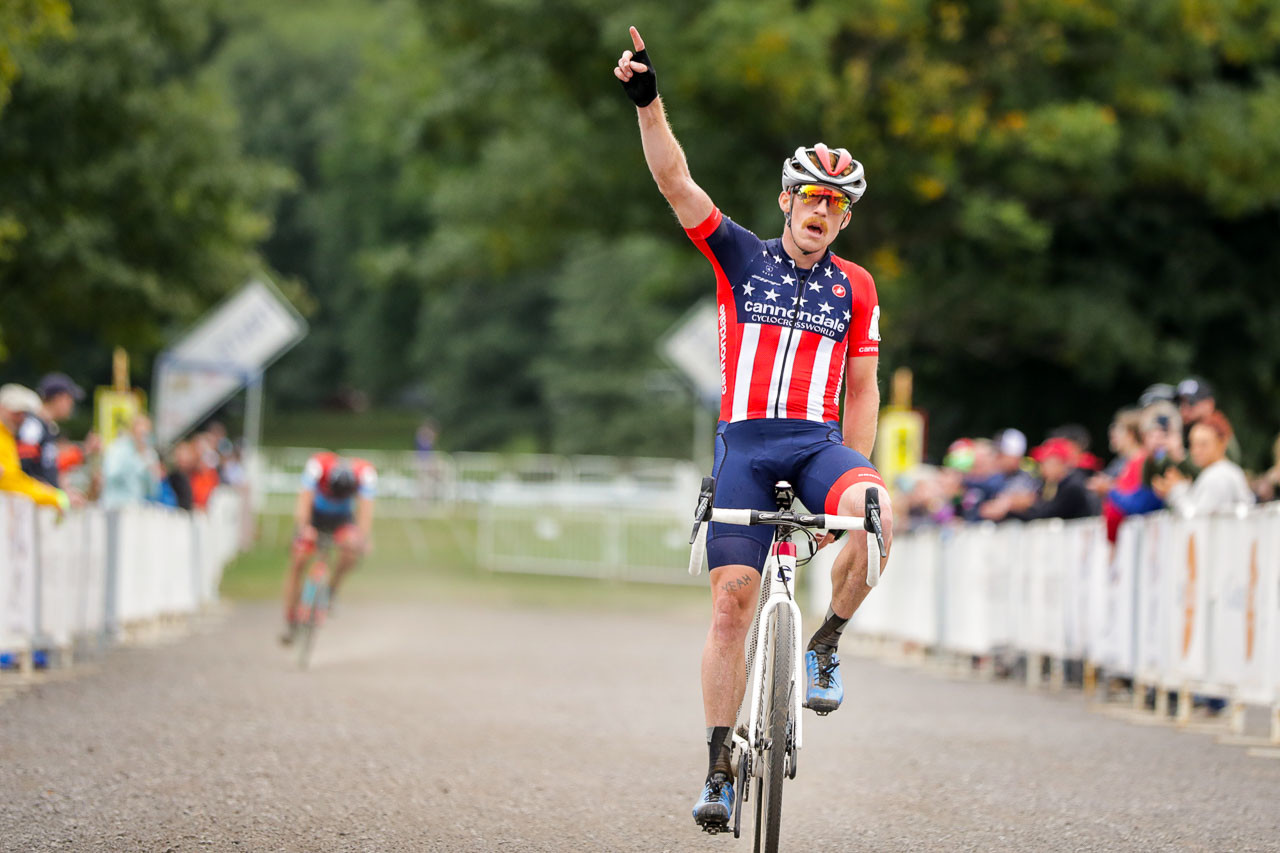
<point>642,88</point>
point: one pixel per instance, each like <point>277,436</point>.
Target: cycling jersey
<point>316,474</point>
<point>785,332</point>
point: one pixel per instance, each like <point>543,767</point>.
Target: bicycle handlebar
<point>797,519</point>
<point>870,522</point>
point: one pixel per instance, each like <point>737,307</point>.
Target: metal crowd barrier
<point>1183,604</point>
<point>409,482</point>
<point>101,575</point>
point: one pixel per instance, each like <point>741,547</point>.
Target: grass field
<point>434,558</point>
<point>380,429</point>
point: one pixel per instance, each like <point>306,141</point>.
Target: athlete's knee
<point>853,502</point>
<point>733,604</point>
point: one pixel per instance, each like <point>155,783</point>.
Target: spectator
<point>1011,452</point>
<point>1157,393</point>
<point>204,475</point>
<point>175,489</point>
<point>38,433</point>
<point>16,402</point>
<point>130,467</point>
<point>1195,403</point>
<point>424,440</point>
<point>1124,474</point>
<point>931,494</point>
<point>1062,493</point>
<point>1267,486</point>
<point>1220,485</point>
<point>983,480</point>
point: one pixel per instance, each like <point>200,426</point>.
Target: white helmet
<point>822,165</point>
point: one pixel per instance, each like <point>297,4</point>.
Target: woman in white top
<point>1220,485</point>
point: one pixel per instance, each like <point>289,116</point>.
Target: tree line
<point>1068,199</point>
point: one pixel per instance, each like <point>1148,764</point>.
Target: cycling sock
<point>828,634</point>
<point>718,751</point>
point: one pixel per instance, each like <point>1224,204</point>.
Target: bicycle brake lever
<point>703,511</point>
<point>871,522</point>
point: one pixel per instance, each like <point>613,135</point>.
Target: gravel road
<point>463,728</point>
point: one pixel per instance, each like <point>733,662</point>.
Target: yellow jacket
<point>13,479</point>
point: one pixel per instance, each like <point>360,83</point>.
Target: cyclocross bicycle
<point>767,736</point>
<point>313,603</point>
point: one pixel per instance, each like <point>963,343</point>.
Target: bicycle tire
<point>773,765</point>
<point>307,629</point>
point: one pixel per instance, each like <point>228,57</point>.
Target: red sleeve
<point>708,227</point>
<point>864,330</point>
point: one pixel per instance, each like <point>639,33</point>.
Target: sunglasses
<point>812,194</point>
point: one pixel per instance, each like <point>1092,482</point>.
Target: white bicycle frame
<point>779,571</point>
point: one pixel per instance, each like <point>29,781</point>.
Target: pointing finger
<point>636,40</point>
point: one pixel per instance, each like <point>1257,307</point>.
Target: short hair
<point>1130,420</point>
<point>1217,422</point>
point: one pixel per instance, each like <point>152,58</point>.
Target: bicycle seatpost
<point>872,518</point>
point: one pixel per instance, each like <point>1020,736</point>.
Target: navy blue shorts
<point>752,455</point>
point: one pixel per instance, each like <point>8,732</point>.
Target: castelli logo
<point>838,290</point>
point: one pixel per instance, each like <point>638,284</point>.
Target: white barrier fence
<point>98,572</point>
<point>1189,604</point>
<point>409,482</point>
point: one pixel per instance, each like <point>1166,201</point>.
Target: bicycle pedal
<point>712,827</point>
<point>821,713</point>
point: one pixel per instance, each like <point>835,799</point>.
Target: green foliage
<point>122,177</point>
<point>1068,199</point>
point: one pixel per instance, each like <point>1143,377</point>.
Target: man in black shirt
<point>38,434</point>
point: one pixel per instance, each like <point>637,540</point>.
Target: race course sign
<point>227,350</point>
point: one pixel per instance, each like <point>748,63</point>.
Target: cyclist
<point>794,319</point>
<point>335,501</point>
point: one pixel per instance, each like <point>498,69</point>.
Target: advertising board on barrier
<point>18,597</point>
<point>1178,602</point>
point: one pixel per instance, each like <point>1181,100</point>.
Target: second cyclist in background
<point>335,502</point>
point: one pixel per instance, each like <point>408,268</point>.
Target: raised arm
<point>661,150</point>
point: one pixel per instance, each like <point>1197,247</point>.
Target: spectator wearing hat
<point>1062,494</point>
<point>1011,452</point>
<point>1221,483</point>
<point>17,401</point>
<point>1195,403</point>
<point>38,433</point>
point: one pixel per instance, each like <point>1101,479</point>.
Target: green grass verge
<point>381,429</point>
<point>433,559</point>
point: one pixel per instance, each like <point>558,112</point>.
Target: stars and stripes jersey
<point>785,332</point>
<point>315,477</point>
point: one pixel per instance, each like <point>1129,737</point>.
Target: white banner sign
<point>691,346</point>
<point>227,350</point>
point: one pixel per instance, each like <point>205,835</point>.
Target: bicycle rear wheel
<point>777,713</point>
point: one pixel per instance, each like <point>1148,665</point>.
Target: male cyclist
<point>793,319</point>
<point>335,502</point>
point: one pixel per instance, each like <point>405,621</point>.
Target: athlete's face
<point>815,219</point>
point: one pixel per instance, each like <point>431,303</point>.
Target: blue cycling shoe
<point>825,691</point>
<point>714,807</point>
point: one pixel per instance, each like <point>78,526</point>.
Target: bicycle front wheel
<point>316,600</point>
<point>777,716</point>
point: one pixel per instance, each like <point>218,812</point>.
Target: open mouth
<point>815,228</point>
